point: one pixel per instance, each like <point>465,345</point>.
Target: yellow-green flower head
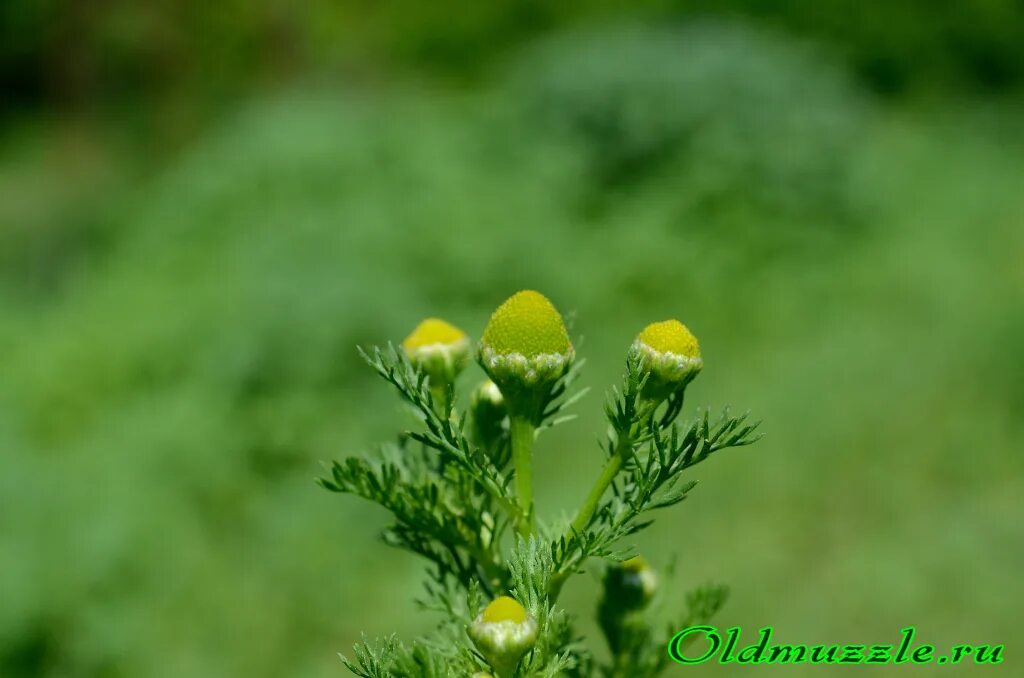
<point>671,355</point>
<point>503,632</point>
<point>439,348</point>
<point>525,344</point>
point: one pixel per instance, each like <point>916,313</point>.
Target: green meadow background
<point>206,207</point>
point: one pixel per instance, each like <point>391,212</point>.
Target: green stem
<point>586,512</point>
<point>441,403</point>
<point>521,431</point>
<point>608,473</point>
<point>439,392</point>
<point>611,467</point>
<point>623,446</point>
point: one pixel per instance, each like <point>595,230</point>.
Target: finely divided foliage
<point>455,498</point>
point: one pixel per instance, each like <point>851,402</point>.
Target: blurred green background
<point>205,207</point>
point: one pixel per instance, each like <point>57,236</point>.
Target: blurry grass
<point>162,414</point>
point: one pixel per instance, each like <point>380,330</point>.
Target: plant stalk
<point>586,512</point>
<point>521,431</point>
<point>612,467</point>
<point>442,404</point>
<point>608,473</point>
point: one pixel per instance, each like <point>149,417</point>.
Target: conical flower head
<point>670,336</point>
<point>525,346</point>
<point>671,357</point>
<point>439,348</point>
<point>503,632</point>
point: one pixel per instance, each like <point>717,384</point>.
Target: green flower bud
<point>503,633</point>
<point>488,410</point>
<point>671,358</point>
<point>630,585</point>
<point>439,349</point>
<point>525,350</point>
<point>488,395</point>
<point>628,589</point>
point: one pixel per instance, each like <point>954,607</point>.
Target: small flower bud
<point>631,584</point>
<point>488,410</point>
<point>503,633</point>
<point>439,349</point>
<point>628,589</point>
<point>671,358</point>
<point>525,349</point>
<point>486,394</point>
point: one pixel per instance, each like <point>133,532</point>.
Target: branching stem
<point>608,473</point>
<point>623,448</point>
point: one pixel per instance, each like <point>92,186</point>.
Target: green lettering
<point>775,657</point>
<point>852,654</point>
<point>923,654</point>
<point>880,654</point>
<point>959,651</point>
<point>675,646</point>
<point>908,638</point>
<point>730,645</point>
<point>830,654</point>
<point>752,653</point>
<point>982,655</point>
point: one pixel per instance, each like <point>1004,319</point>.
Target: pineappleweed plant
<point>460,488</point>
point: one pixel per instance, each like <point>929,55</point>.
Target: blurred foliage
<point>158,50</point>
<point>852,272</point>
<point>711,106</point>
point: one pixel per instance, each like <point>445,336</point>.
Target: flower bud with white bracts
<point>671,358</point>
<point>441,350</point>
<point>525,350</point>
<point>503,632</point>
